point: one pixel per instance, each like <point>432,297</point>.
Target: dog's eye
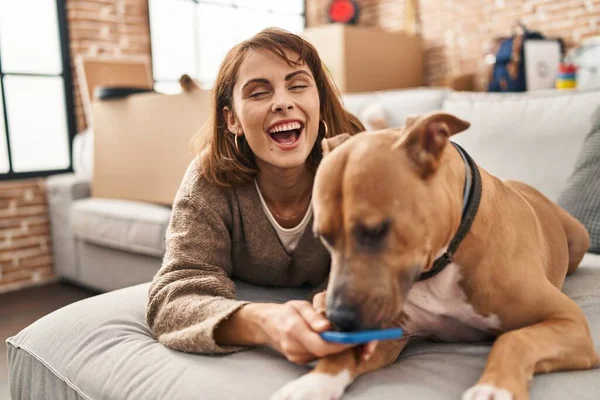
<point>372,237</point>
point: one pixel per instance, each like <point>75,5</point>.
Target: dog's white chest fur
<point>438,307</point>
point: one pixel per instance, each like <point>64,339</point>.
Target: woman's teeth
<point>286,127</point>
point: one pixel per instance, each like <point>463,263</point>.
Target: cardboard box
<point>364,59</point>
<point>460,83</point>
<point>142,144</point>
<point>125,71</point>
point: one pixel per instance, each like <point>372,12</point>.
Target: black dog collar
<point>471,200</point>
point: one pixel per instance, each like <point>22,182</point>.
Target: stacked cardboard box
<point>366,59</point>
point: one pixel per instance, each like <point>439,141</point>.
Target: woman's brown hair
<point>220,162</point>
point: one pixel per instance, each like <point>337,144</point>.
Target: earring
<point>325,124</point>
<point>237,147</point>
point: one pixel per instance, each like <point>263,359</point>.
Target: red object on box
<point>344,11</point>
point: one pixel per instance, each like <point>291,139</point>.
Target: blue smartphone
<point>361,337</point>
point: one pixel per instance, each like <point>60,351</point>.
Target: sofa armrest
<point>62,190</point>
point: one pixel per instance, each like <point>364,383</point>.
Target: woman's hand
<point>293,329</point>
<point>319,303</point>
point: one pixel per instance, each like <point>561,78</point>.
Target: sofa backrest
<point>532,137</point>
<point>397,104</point>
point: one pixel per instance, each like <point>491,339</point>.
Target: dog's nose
<point>346,318</point>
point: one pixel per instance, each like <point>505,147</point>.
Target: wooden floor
<point>20,308</point>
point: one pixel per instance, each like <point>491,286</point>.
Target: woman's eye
<point>257,94</point>
<point>296,87</point>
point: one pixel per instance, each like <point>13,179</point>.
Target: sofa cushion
<point>101,348</point>
<point>591,260</point>
<point>532,137</point>
<point>397,104</point>
<point>83,154</point>
<point>581,195</point>
<point>62,190</point>
<point>121,224</point>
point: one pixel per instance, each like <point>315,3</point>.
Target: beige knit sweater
<point>214,235</point>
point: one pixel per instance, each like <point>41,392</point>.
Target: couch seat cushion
<point>101,348</point>
<point>591,260</point>
<point>121,224</point>
<point>532,137</point>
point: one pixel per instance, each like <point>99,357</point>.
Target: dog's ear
<point>328,144</point>
<point>411,119</point>
<point>426,138</point>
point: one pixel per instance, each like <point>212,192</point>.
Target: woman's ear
<point>232,121</point>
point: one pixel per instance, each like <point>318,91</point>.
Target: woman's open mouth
<point>287,135</point>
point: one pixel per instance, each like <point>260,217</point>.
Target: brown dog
<point>422,238</point>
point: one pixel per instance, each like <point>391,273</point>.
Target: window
<point>36,117</point>
<point>192,36</point>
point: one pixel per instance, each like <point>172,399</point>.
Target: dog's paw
<point>487,392</point>
<point>315,386</point>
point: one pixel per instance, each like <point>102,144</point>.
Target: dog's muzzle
<point>346,318</point>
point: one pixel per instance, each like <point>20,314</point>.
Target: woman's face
<point>276,108</point>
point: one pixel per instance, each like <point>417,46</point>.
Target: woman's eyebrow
<point>293,74</point>
<point>259,80</point>
<point>263,80</point>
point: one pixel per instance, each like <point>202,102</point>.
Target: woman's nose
<point>282,105</point>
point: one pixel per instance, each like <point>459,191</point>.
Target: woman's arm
<point>292,328</point>
<point>192,292</point>
<point>192,305</point>
<point>243,327</point>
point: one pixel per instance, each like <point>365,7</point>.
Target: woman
<point>243,209</point>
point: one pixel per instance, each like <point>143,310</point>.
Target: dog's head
<point>385,204</point>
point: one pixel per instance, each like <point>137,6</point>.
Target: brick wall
<point>96,27</point>
<point>107,28</point>
<point>25,244</point>
<point>459,33</point>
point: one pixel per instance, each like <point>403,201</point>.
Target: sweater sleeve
<point>192,292</point>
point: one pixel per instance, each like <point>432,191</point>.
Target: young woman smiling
<point>243,209</point>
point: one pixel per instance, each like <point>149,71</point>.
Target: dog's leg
<point>333,374</point>
<point>561,341</point>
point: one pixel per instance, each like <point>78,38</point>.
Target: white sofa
<point>101,348</point>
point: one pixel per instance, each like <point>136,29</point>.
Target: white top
<point>289,238</point>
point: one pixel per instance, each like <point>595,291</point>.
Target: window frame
<point>174,81</point>
<point>66,75</point>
